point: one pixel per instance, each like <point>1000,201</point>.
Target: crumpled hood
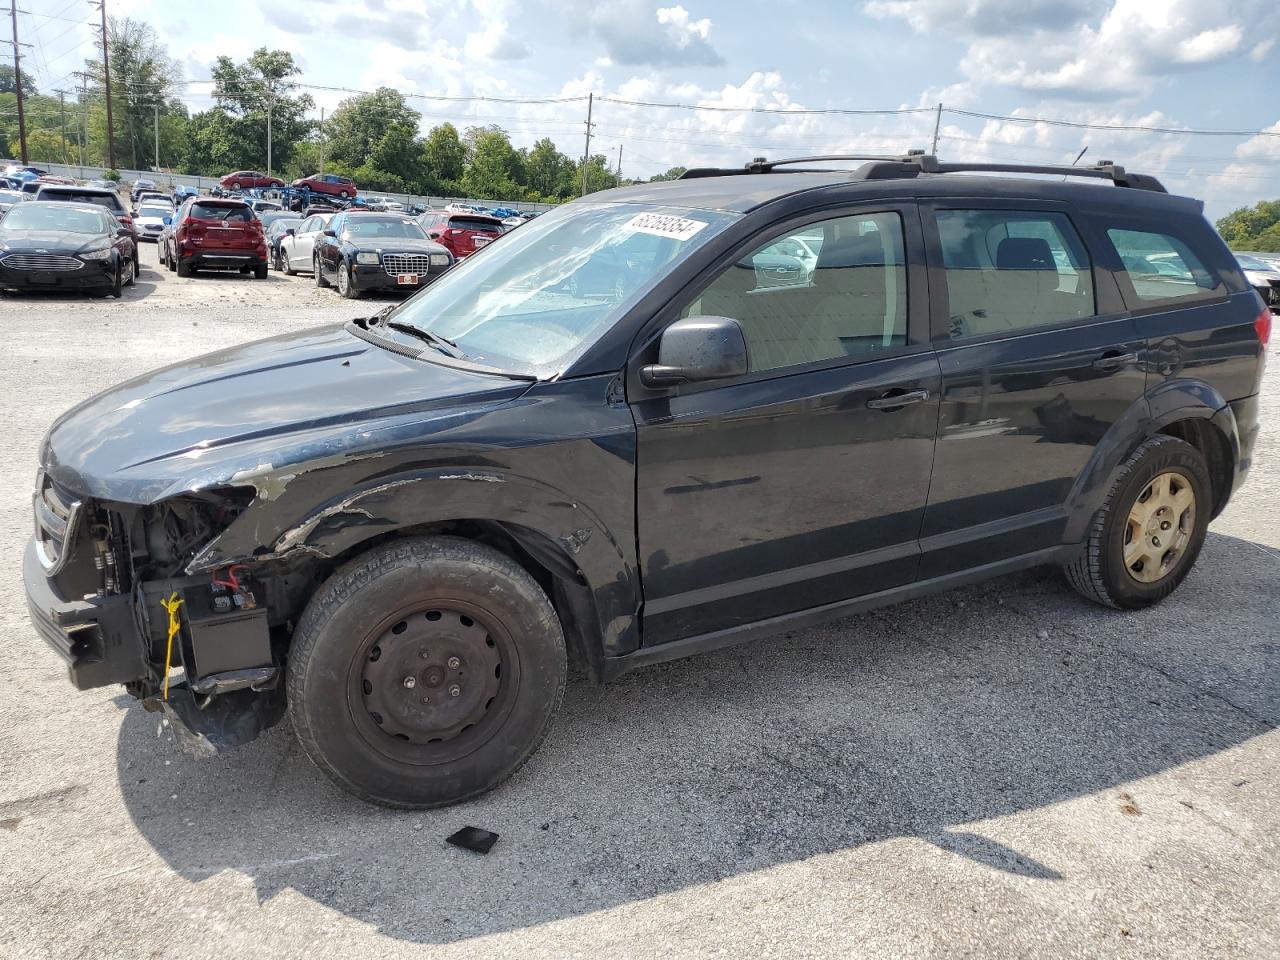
<point>243,414</point>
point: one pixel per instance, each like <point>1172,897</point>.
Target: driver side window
<point>831,289</point>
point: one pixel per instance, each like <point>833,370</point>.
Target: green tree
<point>42,144</point>
<point>675,173</point>
<point>145,83</point>
<point>444,158</point>
<point>1243,228</point>
<point>247,91</point>
<point>599,176</point>
<point>8,81</point>
<point>495,170</point>
<point>361,122</point>
<point>548,172</point>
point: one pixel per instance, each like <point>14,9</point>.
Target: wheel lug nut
<point>423,653</point>
<point>454,663</point>
<point>1166,525</point>
<point>426,699</point>
<point>409,683</point>
<point>455,690</point>
<point>1155,541</point>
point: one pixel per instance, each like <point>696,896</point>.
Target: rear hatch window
<point>475,223</point>
<point>108,200</point>
<point>233,213</point>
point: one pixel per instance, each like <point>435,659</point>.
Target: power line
<point>1128,127</point>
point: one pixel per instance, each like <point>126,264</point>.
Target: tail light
<point>454,232</point>
<point>1262,325</point>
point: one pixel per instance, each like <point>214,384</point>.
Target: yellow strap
<point>172,605</point>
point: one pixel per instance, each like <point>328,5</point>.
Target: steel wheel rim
<point>344,280</point>
<point>1159,527</point>
<point>451,655</point>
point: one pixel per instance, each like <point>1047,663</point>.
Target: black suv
<point>403,529</point>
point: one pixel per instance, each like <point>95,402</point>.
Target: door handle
<point>893,399</point>
<point>1114,360</point>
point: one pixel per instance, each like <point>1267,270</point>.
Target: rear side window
<point>1011,270</point>
<point>1161,267</point>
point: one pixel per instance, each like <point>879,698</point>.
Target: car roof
<point>76,188</point>
<point>742,193</point>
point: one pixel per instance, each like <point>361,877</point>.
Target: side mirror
<point>328,233</point>
<point>289,232</point>
<point>166,220</point>
<point>696,349</point>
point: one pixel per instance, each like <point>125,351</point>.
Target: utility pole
<point>270,95</point>
<point>937,125</point>
<point>619,174</point>
<point>106,79</point>
<point>17,78</point>
<point>586,151</point>
<point>157,109</point>
<point>62,112</point>
<point>84,113</point>
<point>322,141</point>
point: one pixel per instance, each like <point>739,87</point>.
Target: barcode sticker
<point>664,225</point>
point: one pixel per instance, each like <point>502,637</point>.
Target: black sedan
<point>65,246</point>
<point>363,251</point>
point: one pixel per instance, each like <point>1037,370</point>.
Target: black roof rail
<point>916,162</point>
<point>761,165</point>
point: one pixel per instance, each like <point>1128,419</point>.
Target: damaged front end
<point>108,588</point>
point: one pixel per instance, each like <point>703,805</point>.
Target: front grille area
<point>57,513</point>
<point>398,263</point>
<point>40,261</point>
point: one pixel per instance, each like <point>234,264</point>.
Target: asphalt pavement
<point>999,771</point>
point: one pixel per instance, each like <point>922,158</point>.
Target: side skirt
<point>707,642</point>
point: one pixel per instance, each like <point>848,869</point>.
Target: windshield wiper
<point>443,344</point>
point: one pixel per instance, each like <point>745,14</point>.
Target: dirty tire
<point>184,269</point>
<point>260,272</point>
<point>316,273</point>
<point>1099,571</point>
<point>372,597</point>
<point>117,283</point>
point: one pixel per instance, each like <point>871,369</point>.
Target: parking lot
<point>1000,771</point>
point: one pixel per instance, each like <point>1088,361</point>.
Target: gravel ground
<point>1000,771</point>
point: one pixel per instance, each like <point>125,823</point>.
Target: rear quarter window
<point>1162,268</point>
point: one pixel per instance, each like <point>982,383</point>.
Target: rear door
<point>804,482</point>
<point>1038,358</point>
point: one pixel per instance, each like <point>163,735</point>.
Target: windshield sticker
<point>664,225</point>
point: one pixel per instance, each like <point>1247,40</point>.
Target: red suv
<point>219,234</point>
<point>329,183</point>
<point>244,179</point>
<point>462,233</point>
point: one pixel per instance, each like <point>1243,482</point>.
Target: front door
<point>804,482</point>
<point>1038,361</point>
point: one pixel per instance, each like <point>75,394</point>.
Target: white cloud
<point>495,39</point>
<point>636,33</point>
<point>1089,49</point>
<point>985,17</point>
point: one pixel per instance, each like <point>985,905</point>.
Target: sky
<point>1177,64</point>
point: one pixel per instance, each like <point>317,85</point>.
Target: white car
<point>298,245</point>
<point>1263,276</point>
<point>386,203</point>
<point>149,220</point>
<point>456,207</point>
<point>799,249</point>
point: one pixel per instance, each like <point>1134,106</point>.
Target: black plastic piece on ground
<point>474,839</point>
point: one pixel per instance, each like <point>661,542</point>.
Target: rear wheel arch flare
<point>1212,443</point>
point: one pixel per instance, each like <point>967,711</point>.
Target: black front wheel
<point>117,282</point>
<point>318,273</point>
<point>425,672</point>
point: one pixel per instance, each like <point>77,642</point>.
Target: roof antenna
<point>1076,160</point>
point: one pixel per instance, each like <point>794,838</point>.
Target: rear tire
<point>260,272</point>
<point>286,266</point>
<point>425,672</point>
<point>162,255</point>
<point>1146,537</point>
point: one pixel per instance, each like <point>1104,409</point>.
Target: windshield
<point>41,216</point>
<point>543,294</point>
<point>377,229</point>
